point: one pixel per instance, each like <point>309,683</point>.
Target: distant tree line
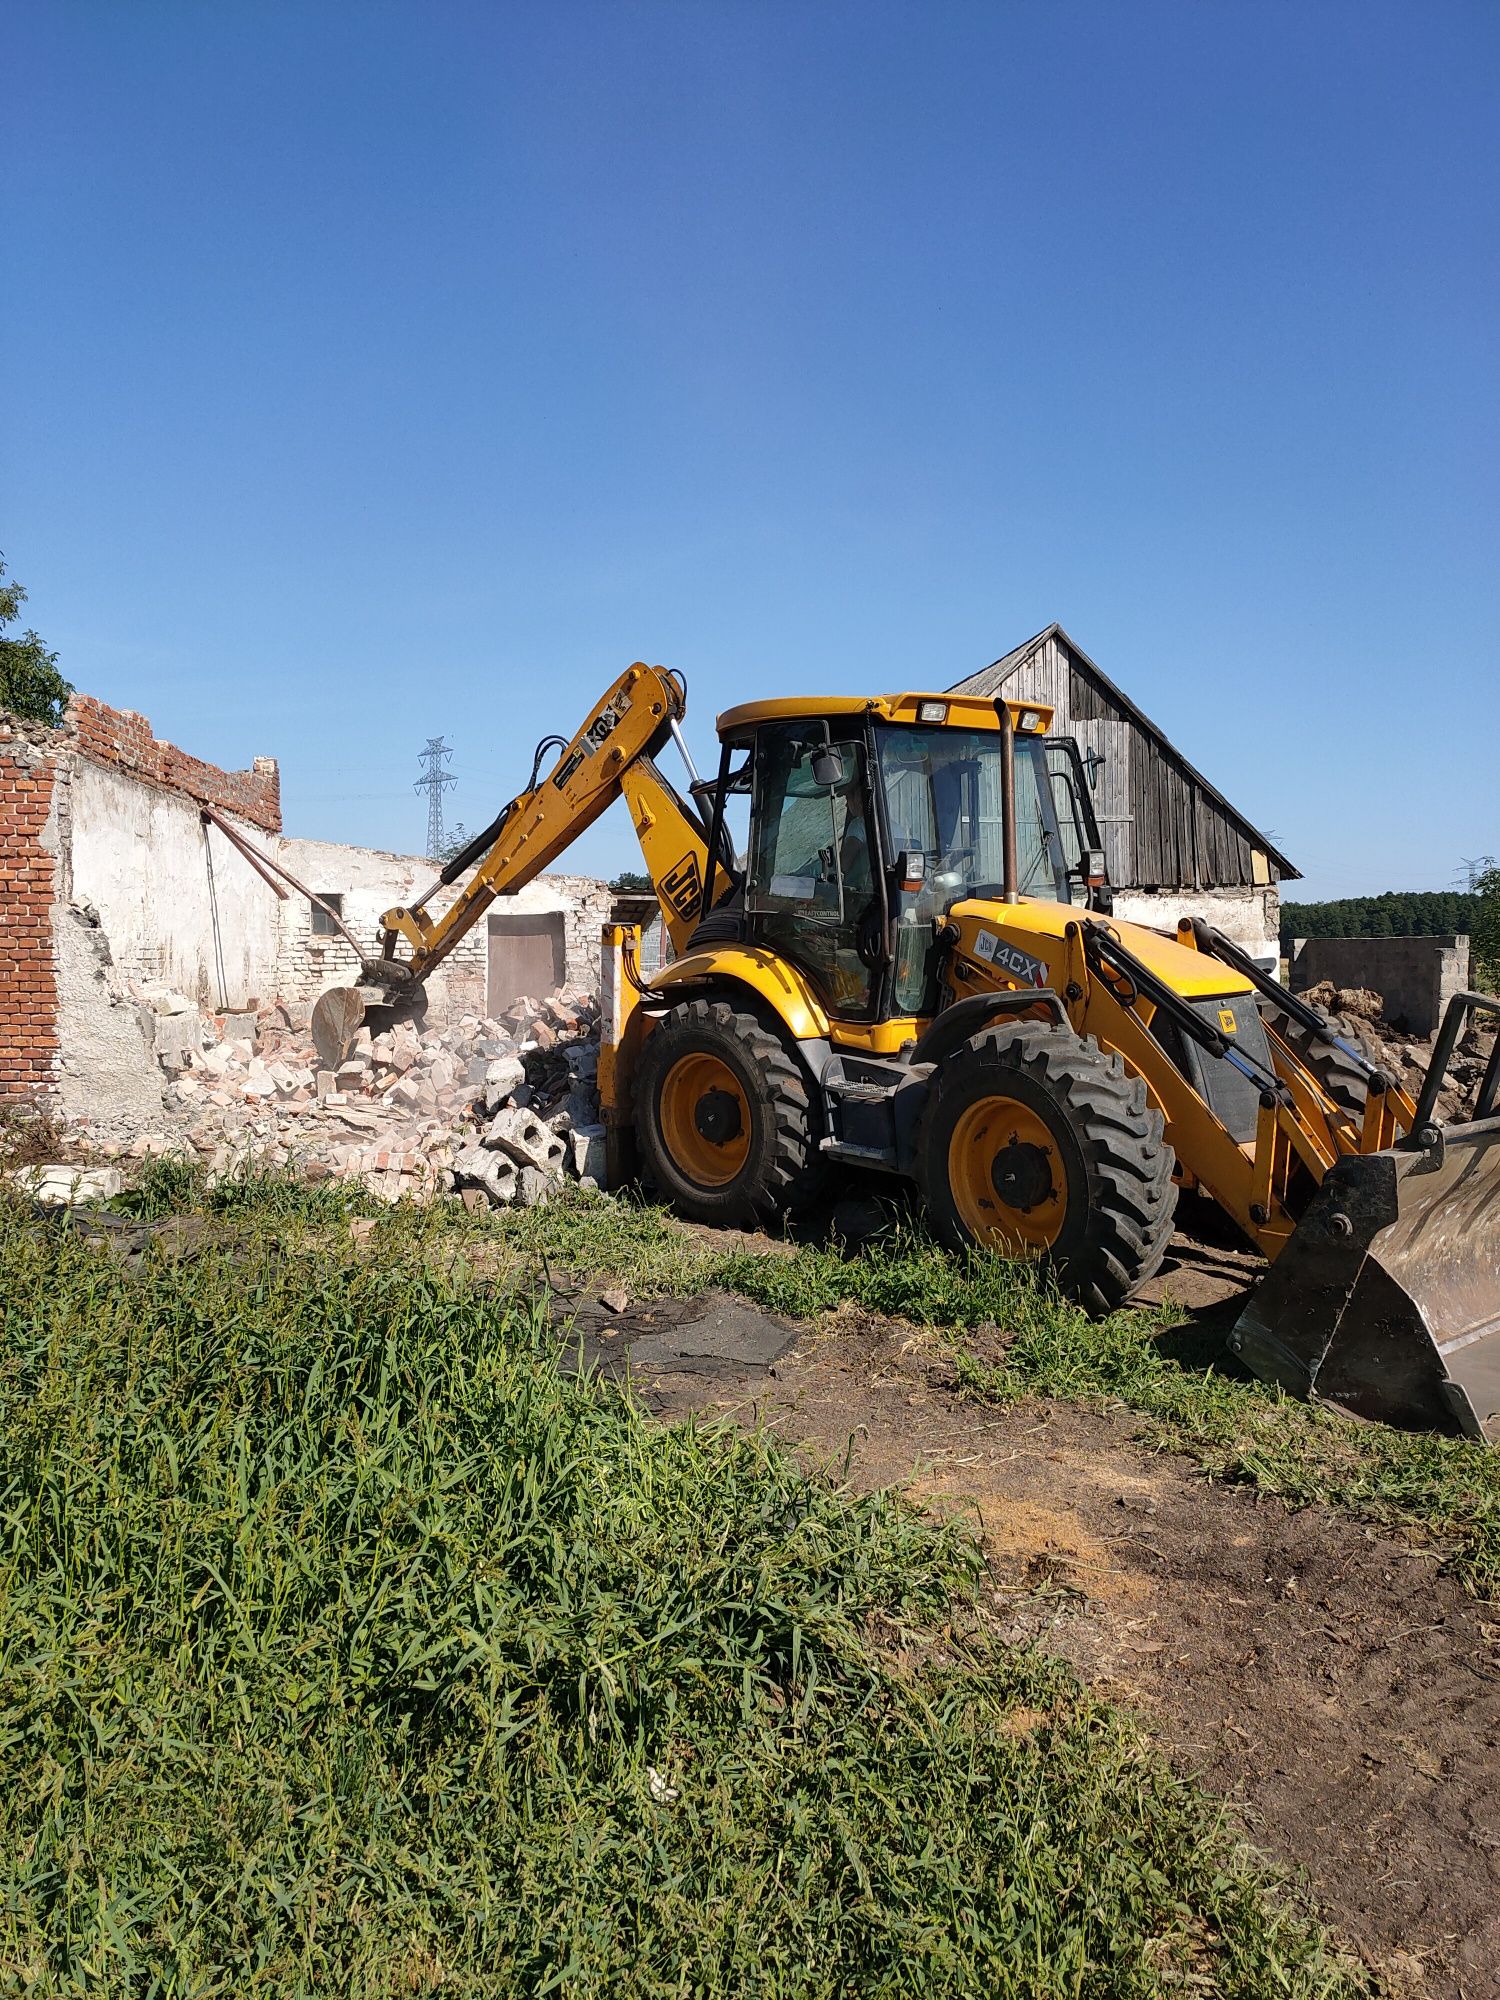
<point>1411,913</point>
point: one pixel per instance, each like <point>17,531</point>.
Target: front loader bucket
<point>1386,1300</point>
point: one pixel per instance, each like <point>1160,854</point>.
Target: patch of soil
<point>1326,1678</point>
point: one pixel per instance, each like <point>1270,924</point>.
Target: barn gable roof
<point>989,680</point>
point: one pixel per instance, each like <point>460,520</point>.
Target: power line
<point>1471,867</point>
<point>434,781</point>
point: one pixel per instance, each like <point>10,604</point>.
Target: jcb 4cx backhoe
<point>912,969</point>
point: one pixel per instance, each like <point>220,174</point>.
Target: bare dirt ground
<point>1325,1679</point>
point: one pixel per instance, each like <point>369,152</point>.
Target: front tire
<point>1037,1144</point>
<point>724,1118</point>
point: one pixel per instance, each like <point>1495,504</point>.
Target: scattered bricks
<point>353,1074</point>
<point>158,1146</point>
<point>440,1073</point>
<point>258,1081</point>
<point>523,1136</point>
<point>406,1094</point>
<point>406,1046</point>
<point>542,1036</point>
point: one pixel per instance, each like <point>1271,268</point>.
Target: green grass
<point>340,1637</point>
<point>1192,1396</point>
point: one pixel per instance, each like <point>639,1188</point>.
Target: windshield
<point>942,800</point>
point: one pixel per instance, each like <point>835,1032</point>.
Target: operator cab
<point>870,819</point>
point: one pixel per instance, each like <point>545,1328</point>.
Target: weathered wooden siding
<point>1160,829</point>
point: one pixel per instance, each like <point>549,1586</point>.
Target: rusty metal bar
<point>266,868</point>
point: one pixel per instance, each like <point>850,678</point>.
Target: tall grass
<point>345,1647</point>
<point>1193,1395</point>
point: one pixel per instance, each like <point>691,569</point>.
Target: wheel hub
<point>1007,1180</point>
<point>717,1117</point>
<point>705,1119</point>
<point>1022,1175</point>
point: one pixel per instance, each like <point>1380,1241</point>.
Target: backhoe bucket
<point>1386,1300</point>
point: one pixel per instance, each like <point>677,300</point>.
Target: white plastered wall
<point>1250,918</point>
<point>174,899</point>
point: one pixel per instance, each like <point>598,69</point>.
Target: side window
<point>811,884</point>
<point>811,843</point>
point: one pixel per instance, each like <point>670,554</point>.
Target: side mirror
<point>828,767</point>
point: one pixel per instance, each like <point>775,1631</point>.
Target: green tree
<point>631,883</point>
<point>30,684</point>
<point>1485,935</point>
<point>456,842</point>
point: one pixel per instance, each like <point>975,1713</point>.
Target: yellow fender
<point>769,977</point>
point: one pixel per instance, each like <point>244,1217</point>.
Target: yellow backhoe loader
<point>912,968</point>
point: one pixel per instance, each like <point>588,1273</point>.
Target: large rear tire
<point>1339,1079</point>
<point>1037,1144</point>
<point>724,1118</point>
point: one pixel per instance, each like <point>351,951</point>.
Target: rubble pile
<point>500,1111</point>
<point>1405,1057</point>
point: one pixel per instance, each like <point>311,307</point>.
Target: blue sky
<point>375,372</point>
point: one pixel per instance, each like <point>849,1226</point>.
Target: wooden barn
<point>1175,846</point>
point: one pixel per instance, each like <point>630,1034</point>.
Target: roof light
<point>1030,722</point>
<point>932,711</point>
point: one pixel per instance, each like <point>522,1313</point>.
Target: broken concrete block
<point>325,1082</point>
<point>501,1079</point>
<point>240,1028</point>
<point>526,1139</point>
<point>178,1035</point>
<point>64,1186</point>
<point>579,1107</point>
<point>533,1187</point>
<point>586,1148</point>
<point>440,1073</point>
<point>498,1175</point>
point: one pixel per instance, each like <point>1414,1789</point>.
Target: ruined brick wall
<point>119,737</point>
<point>28,968</point>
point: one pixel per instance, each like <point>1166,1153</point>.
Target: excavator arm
<point>609,757</point>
